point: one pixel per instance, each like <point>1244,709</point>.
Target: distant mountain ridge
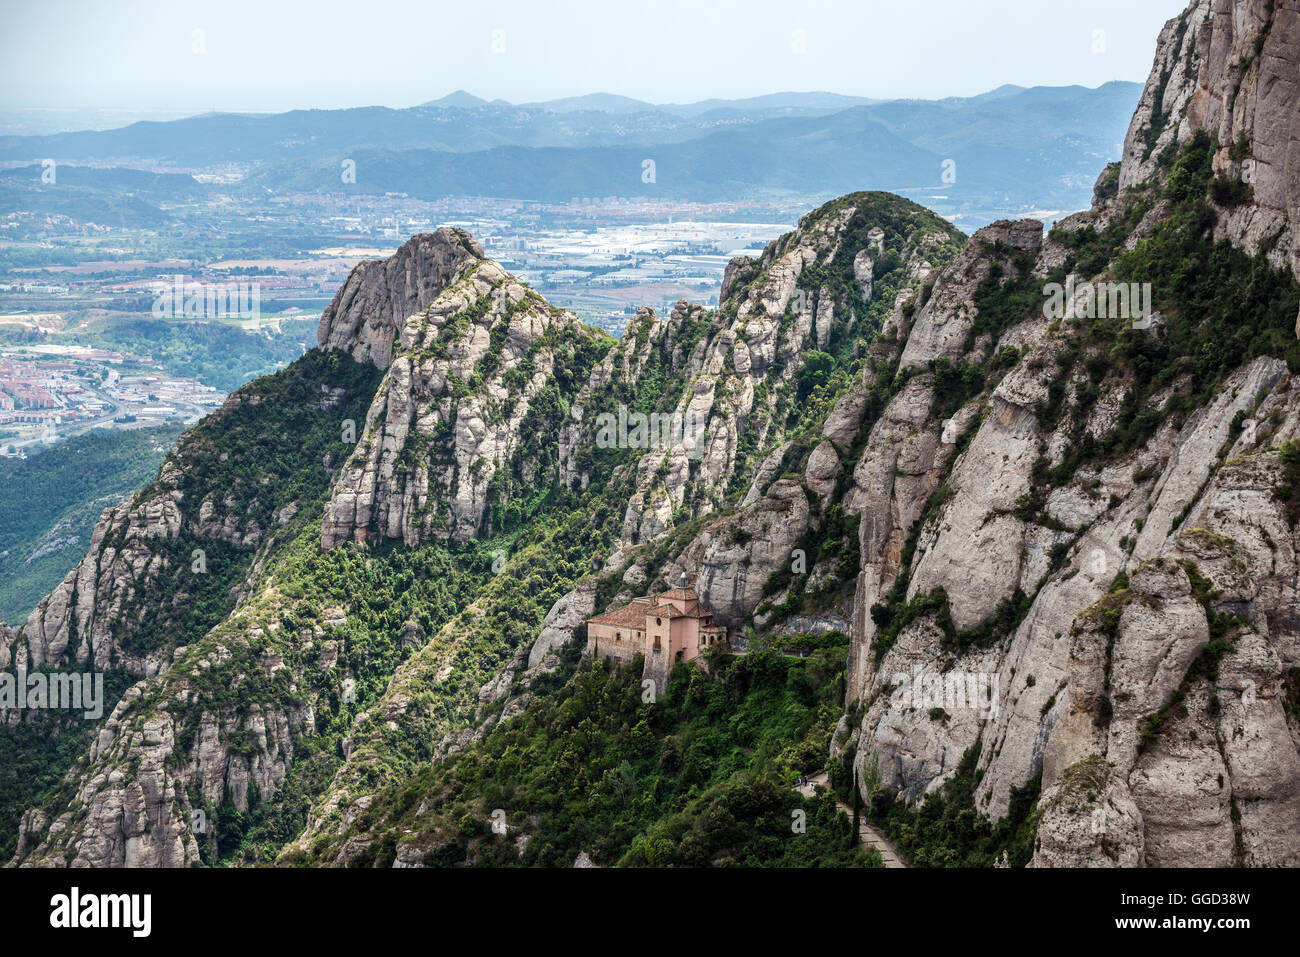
<point>461,121</point>
<point>1011,149</point>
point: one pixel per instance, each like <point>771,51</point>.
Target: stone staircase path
<point>868,834</point>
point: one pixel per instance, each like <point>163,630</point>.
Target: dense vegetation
<point>701,776</point>
<point>1220,307</point>
<point>263,453</point>
<point>389,648</point>
<point>271,448</point>
<point>353,621</point>
<point>946,830</point>
<point>394,598</point>
<point>52,500</point>
<point>36,753</point>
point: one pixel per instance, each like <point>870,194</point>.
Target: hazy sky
<point>277,55</point>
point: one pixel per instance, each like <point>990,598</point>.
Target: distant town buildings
<point>49,391</point>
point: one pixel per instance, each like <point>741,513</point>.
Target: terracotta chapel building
<point>665,628</point>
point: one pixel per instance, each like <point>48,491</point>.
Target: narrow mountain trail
<point>868,834</point>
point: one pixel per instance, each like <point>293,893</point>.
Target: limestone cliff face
<point>770,318</point>
<point>735,551</point>
<point>844,273</point>
<point>836,279</point>
<point>473,360</point>
<point>74,623</point>
<point>368,313</point>
<point>1232,69</point>
<point>1156,745</point>
<point>649,345</point>
<point>199,534</point>
<point>1214,781</point>
<point>1193,494</point>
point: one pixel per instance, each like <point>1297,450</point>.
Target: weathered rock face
<point>568,613</point>
<point>736,558</point>
<point>742,267</point>
<point>6,646</point>
<point>910,452</point>
<point>1066,695</point>
<point>1217,787</point>
<point>133,805</point>
<point>175,739</point>
<point>450,413</point>
<point>736,555</point>
<point>1232,69</point>
<point>368,313</point>
<point>1111,617</point>
<point>943,324</point>
<point>1089,820</point>
<point>75,622</point>
<point>649,344</point>
<point>1159,744</point>
<point>752,352</point>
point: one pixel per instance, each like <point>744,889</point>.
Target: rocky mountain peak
<point>367,314</point>
<point>449,418</point>
<point>1229,68</point>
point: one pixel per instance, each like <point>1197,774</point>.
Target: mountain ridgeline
<point>1021,582</point>
<point>1011,148</point>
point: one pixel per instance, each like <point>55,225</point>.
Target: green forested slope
<point>52,500</point>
